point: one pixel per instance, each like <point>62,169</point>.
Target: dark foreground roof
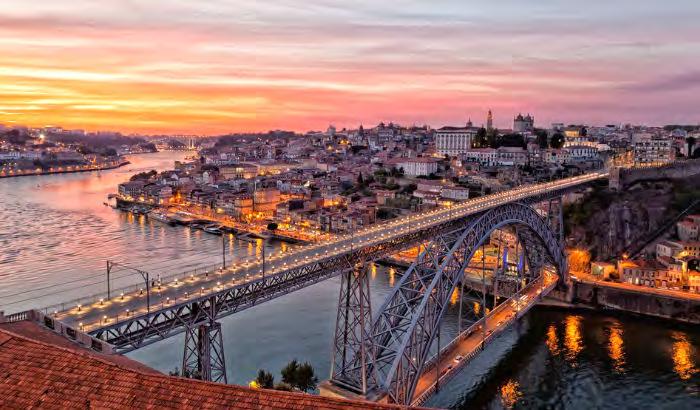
<point>39,369</point>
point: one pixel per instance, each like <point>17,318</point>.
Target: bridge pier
<point>555,216</point>
<point>204,352</point>
<point>352,346</point>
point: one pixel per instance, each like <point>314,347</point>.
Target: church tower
<point>489,121</point>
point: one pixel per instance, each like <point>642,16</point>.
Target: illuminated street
<point>472,339</point>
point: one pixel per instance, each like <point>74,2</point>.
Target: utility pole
<point>263,259</point>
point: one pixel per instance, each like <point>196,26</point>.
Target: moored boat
<point>214,229</point>
<point>161,217</point>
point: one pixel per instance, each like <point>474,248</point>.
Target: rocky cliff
<point>609,223</point>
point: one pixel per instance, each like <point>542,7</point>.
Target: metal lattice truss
<point>352,329</point>
<point>403,332</point>
<point>203,357</point>
<point>140,330</point>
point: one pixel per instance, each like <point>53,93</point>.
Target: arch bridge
<point>194,302</point>
<point>388,357</point>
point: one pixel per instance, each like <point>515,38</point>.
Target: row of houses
<point>533,155</point>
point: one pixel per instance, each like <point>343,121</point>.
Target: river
<point>56,236</point>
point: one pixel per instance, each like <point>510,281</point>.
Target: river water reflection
<point>56,234</point>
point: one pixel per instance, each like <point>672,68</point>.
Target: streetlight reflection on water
<point>616,348</point>
<point>683,362</point>
<point>572,338</point>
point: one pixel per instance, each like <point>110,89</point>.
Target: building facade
<point>454,141</point>
<point>651,149</point>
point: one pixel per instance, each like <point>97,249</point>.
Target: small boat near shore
<point>246,237</point>
<point>183,218</point>
<point>161,217</point>
<point>214,229</point>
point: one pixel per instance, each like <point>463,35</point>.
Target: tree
<point>396,172</point>
<point>110,152</point>
<point>289,372</point>
<point>272,226</point>
<point>265,379</point>
<point>511,140</point>
<point>187,374</point>
<point>691,143</point>
<point>144,176</point>
<point>360,180</point>
<point>542,138</point>
<point>282,386</point>
<point>480,138</point>
<point>84,150</point>
<point>301,377</point>
<point>557,140</point>
<point>305,378</point>
<point>492,138</point>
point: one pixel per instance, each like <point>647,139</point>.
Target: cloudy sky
<point>216,66</point>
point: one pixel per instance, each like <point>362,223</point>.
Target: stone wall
<point>621,178</point>
<point>605,297</point>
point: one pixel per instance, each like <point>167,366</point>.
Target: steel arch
<point>406,325</point>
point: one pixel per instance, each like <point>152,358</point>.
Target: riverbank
<point>63,170</point>
<point>609,297</point>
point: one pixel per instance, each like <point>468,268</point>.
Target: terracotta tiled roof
<point>40,374</point>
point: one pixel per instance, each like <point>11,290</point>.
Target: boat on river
<point>246,237</point>
<point>161,217</point>
<point>214,229</point>
<point>183,218</point>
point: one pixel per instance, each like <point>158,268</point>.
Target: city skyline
<point>231,66</point>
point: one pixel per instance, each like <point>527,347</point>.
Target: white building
<point>582,152</point>
<point>556,156</point>
<point>455,193</point>
<point>510,156</point>
<point>418,166</point>
<point>454,140</point>
<point>484,156</point>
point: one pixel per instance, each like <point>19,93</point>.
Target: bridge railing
<point>116,293</point>
<point>56,326</point>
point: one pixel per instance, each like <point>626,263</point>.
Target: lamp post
<point>223,251</point>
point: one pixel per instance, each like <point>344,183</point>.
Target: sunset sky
<point>217,66</point>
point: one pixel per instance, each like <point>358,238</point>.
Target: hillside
<point>607,223</point>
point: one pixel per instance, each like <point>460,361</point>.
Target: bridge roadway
<point>128,322</point>
<point>472,340</point>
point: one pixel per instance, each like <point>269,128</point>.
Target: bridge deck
<point>328,256</point>
<point>471,341</point>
